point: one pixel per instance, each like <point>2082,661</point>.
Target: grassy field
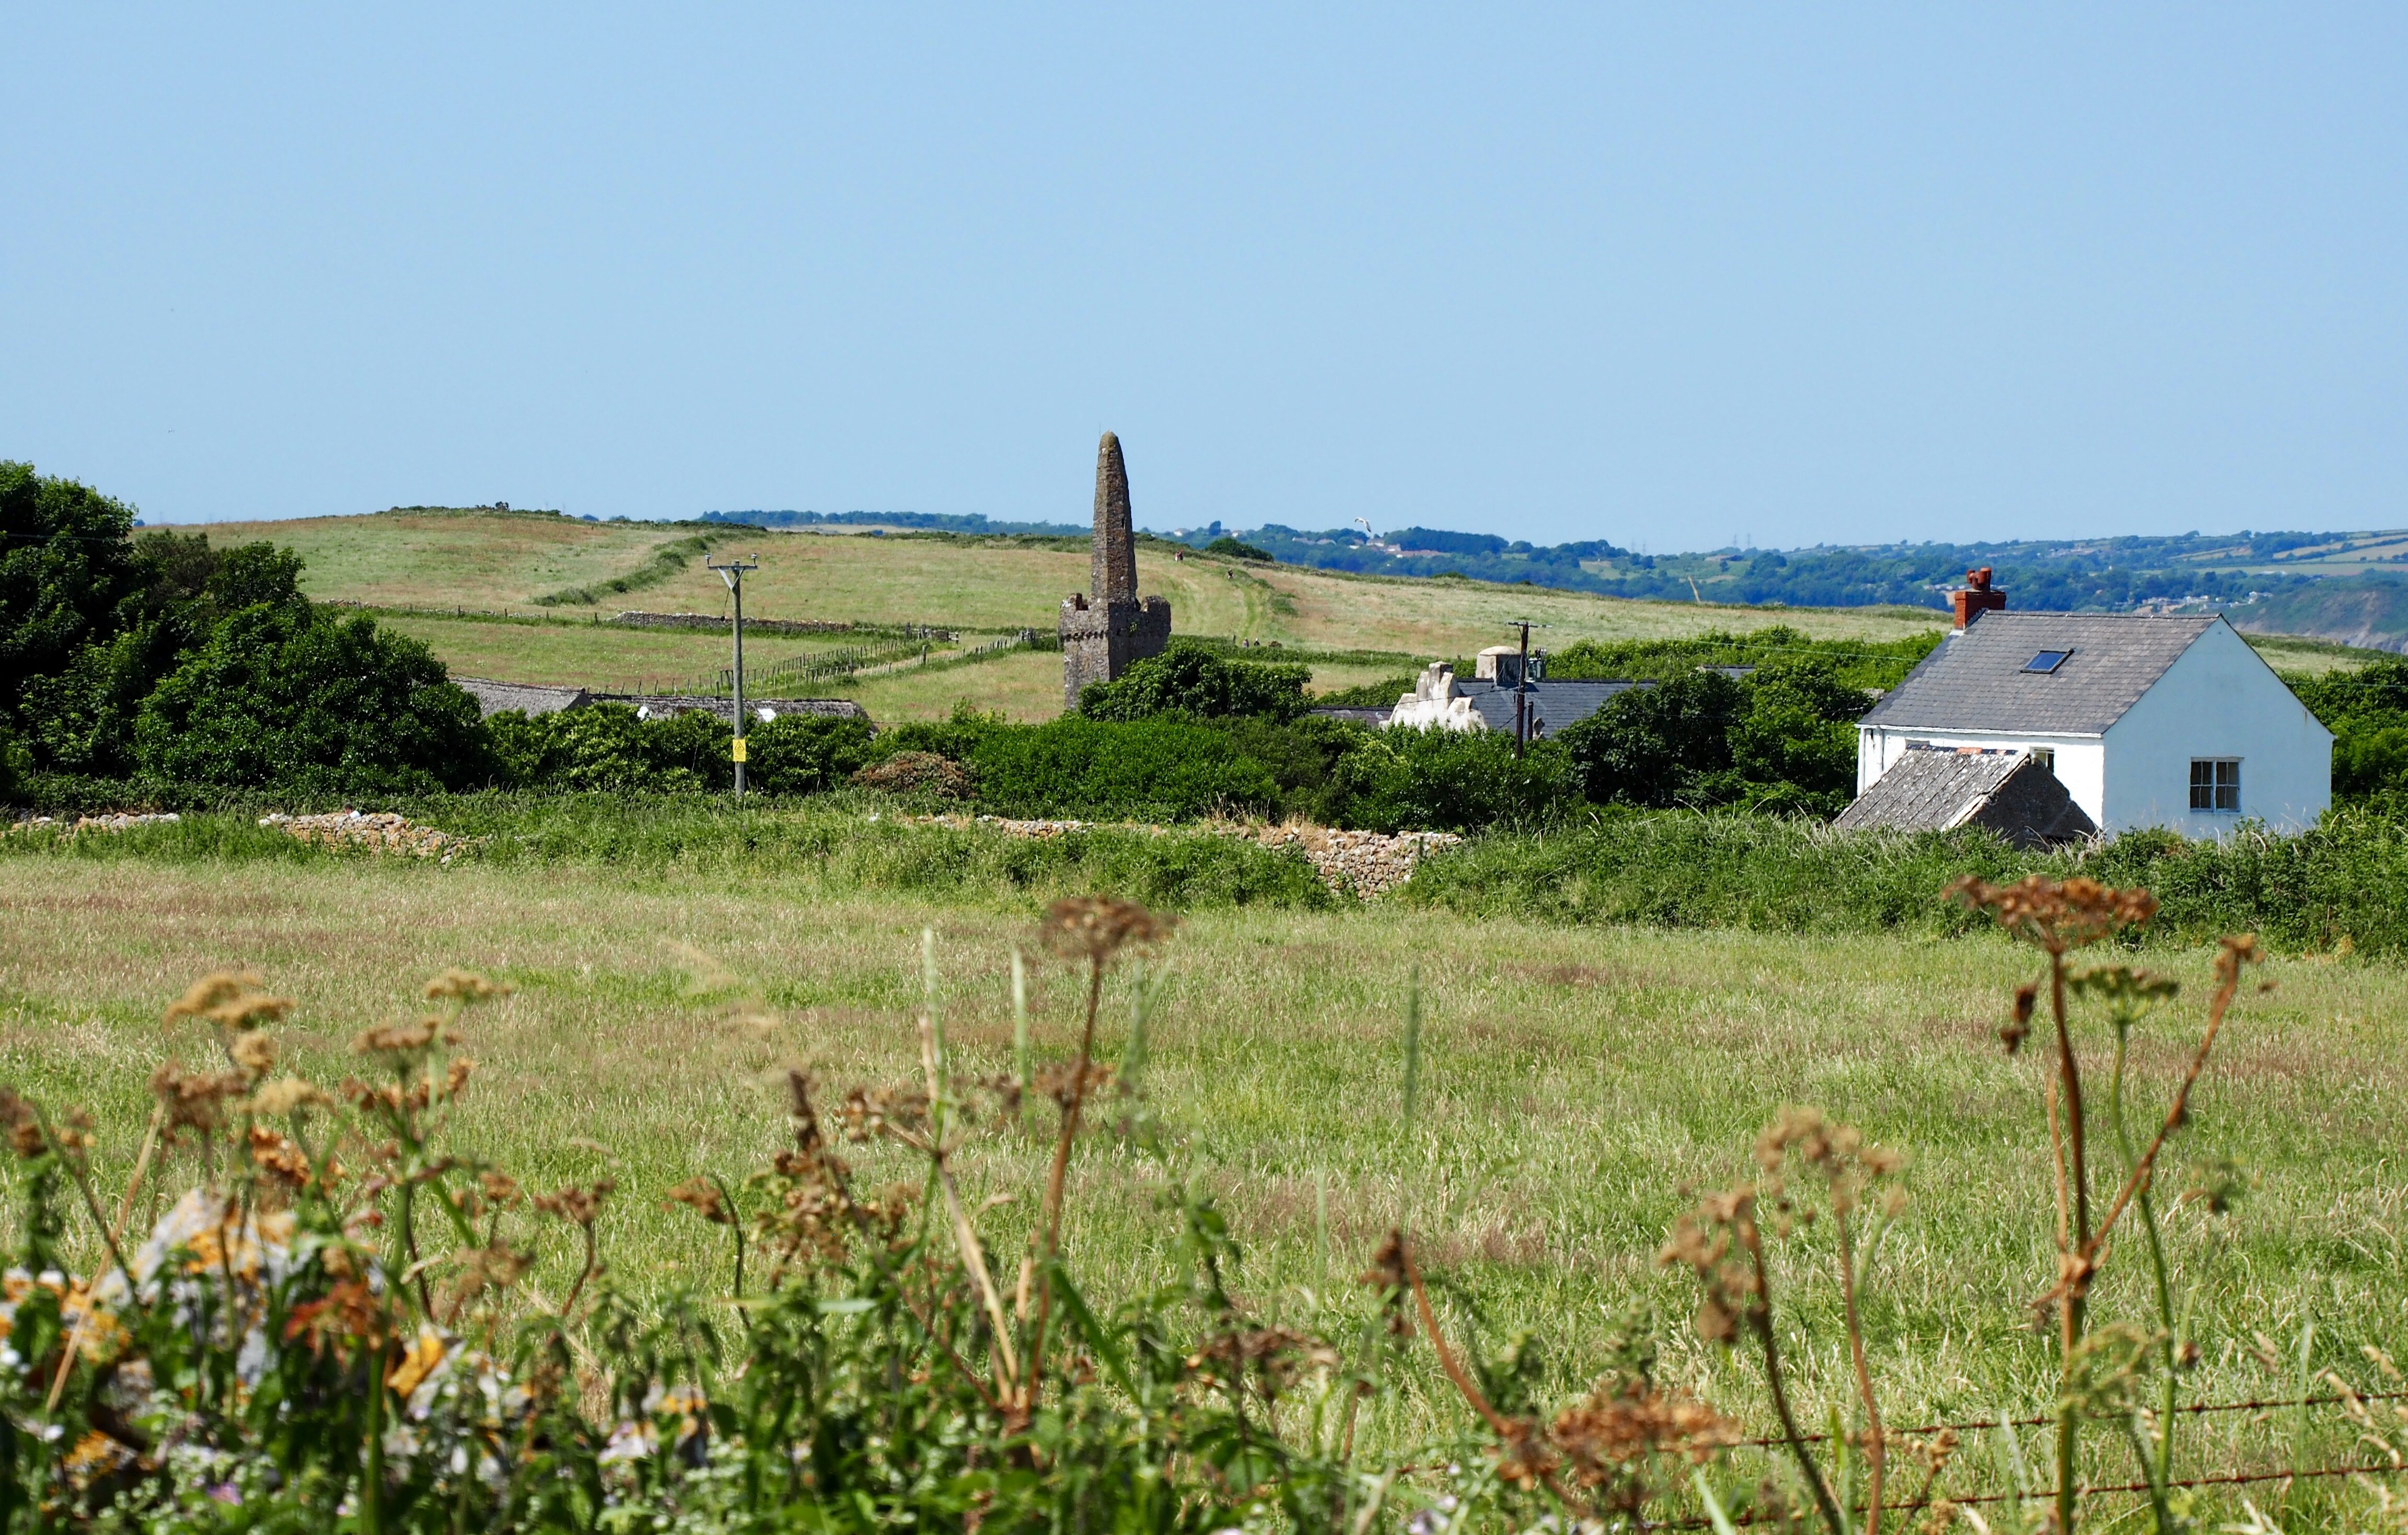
<point>506,562</point>
<point>502,564</point>
<point>1572,1083</point>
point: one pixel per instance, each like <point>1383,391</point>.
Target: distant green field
<point>504,563</point>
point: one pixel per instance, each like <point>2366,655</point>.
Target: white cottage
<point>2147,722</point>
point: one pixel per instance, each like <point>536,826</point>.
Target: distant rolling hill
<point>2348,587</point>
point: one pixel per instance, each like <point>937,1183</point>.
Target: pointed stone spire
<point>1115,551</point>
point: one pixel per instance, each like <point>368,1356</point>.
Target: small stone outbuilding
<point>2012,792</point>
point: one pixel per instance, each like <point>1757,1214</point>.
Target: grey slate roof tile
<point>1976,681</point>
<point>1553,704</point>
<point>492,698</point>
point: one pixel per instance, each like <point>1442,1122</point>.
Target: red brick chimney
<point>1977,598</point>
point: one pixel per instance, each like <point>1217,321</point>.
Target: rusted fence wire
<point>2332,1400</point>
<point>2395,1466</point>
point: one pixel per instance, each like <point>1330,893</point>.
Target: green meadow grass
<point>1573,1082</point>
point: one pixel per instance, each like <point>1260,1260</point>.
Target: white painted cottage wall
<point>2219,699</point>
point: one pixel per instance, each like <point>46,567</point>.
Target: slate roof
<point>492,698</point>
<point>688,703</point>
<point>1976,681</point>
<point>1553,704</point>
<point>2007,792</point>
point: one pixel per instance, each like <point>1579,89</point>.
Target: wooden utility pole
<point>1522,689</point>
<point>731,572</point>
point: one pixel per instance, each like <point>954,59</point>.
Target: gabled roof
<point>492,698</point>
<point>1976,680</point>
<point>2006,792</point>
<point>1553,704</point>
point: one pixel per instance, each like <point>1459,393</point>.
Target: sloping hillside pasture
<point>1572,1084</point>
<point>506,562</point>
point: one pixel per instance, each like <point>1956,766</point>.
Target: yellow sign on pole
<point>740,749</point>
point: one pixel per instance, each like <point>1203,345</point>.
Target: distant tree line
<point>2108,575</point>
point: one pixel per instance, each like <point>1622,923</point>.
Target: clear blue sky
<point>1664,276</point>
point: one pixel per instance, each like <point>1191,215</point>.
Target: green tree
<point>2367,711</point>
<point>81,718</point>
<point>283,696</point>
<point>804,753</point>
<point>1794,745</point>
<point>1189,679</point>
<point>1406,780</point>
<point>1658,746</point>
<point>70,576</point>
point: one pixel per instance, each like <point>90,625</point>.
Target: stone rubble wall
<point>113,821</point>
<point>1363,864</point>
<point>373,831</point>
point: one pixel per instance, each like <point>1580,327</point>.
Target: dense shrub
<point>2345,877</point>
<point>1781,740</point>
<point>69,575</point>
<point>610,747</point>
<point>1657,746</point>
<point>81,718</point>
<point>1189,679</point>
<point>16,764</point>
<point>802,754</point>
<point>1793,745</point>
<point>1301,756</point>
<point>1447,780</point>
<point>282,695</point>
<point>1237,549</point>
<point>1167,770</point>
<point>2367,711</point>
<point>956,738</point>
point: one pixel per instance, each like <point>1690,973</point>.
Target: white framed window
<point>2216,783</point>
<point>2045,756</point>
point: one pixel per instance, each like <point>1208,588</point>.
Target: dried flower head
<point>1613,1440</point>
<point>196,1100</point>
<point>1066,1082</point>
<point>232,1000</point>
<point>24,1124</point>
<point>495,1267</point>
<point>464,986</point>
<point>254,1051</point>
<point>1387,1275</point>
<point>703,1198</point>
<point>1096,927</point>
<point>2017,1029</point>
<point>287,1095</point>
<point>280,1158</point>
<point>2057,914</point>
<point>1719,1242</point>
<point>867,1112</point>
<point>1800,1141</point>
<point>578,1205</point>
<point>403,1040</point>
<point>348,1315</point>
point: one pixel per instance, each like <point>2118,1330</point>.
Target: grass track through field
<point>1571,1081</point>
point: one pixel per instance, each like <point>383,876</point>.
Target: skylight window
<point>2046,661</point>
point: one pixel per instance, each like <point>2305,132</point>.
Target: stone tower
<point>1102,633</point>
